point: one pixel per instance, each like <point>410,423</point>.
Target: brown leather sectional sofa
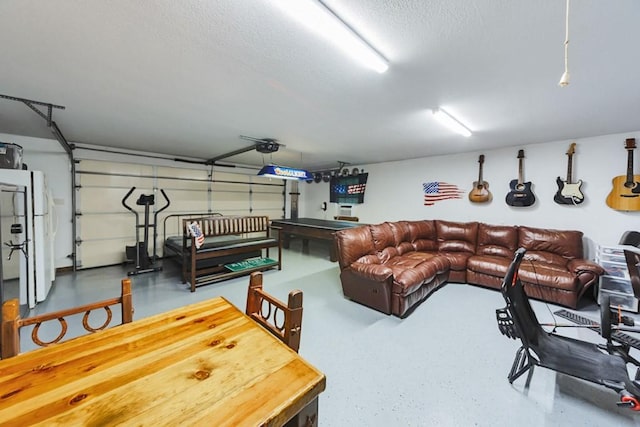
<point>394,266</point>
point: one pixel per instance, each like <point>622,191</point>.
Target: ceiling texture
<point>188,78</point>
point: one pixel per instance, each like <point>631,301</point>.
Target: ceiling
<point>187,78</point>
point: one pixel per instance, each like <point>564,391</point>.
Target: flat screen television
<point>348,189</point>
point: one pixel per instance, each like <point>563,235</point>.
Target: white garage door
<point>105,226</point>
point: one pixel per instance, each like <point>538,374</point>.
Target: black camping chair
<point>601,364</point>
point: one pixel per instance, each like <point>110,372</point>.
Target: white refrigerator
<point>33,208</point>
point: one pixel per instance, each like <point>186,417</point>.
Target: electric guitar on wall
<point>520,194</point>
<point>480,192</point>
<point>625,194</point>
<point>568,191</point>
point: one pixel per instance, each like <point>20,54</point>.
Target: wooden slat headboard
<point>228,225</point>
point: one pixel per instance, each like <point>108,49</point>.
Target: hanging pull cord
<point>16,246</point>
<point>564,80</point>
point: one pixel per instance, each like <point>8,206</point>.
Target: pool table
<point>311,228</point>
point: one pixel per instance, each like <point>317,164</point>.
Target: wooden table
<point>311,228</point>
<point>203,364</point>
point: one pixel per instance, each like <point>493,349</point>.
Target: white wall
<point>394,189</point>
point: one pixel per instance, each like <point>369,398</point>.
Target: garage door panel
<point>115,226</point>
<point>217,197</point>
<point>172,186</point>
<point>266,204</point>
<point>105,227</point>
<point>227,176</point>
<point>122,182</point>
<point>268,189</point>
<point>98,253</point>
<point>271,213</point>
<point>227,206</point>
<point>192,205</point>
<point>107,200</point>
<point>265,180</point>
<point>177,198</point>
<point>114,168</point>
<point>229,187</point>
<point>181,173</point>
<point>265,197</point>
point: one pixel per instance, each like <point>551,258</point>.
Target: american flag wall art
<point>437,191</point>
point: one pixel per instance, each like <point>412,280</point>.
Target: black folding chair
<point>601,364</point>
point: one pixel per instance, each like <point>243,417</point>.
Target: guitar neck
<point>629,166</point>
<point>480,181</point>
<point>520,173</point>
<point>569,169</point>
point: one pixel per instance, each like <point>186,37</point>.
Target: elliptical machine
<point>140,252</point>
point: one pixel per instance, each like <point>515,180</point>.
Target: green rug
<point>251,263</point>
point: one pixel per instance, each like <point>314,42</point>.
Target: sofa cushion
<point>376,272</point>
<point>382,235</point>
<point>458,260</point>
<point>388,253</point>
<point>423,235</point>
<point>497,240</point>
<point>409,274</point>
<point>402,262</point>
<point>353,243</point>
<point>550,246</point>
<point>548,275</point>
<point>456,236</point>
<point>368,259</point>
<point>583,266</point>
<point>539,273</point>
<point>402,236</point>
<point>488,264</point>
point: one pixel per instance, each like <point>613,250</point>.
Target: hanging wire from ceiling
<point>564,80</point>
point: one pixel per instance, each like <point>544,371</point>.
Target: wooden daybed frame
<point>227,240</point>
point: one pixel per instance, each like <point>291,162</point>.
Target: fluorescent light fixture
<point>273,171</point>
<point>316,16</point>
<point>451,122</point>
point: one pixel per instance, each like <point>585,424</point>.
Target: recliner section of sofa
<point>394,266</point>
<point>382,268</point>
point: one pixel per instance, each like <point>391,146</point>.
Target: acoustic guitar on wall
<point>625,194</point>
<point>480,192</point>
<point>521,193</point>
<point>568,191</point>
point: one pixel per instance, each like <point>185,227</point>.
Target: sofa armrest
<point>375,272</point>
<point>579,266</point>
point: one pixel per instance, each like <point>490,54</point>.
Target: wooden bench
<point>226,238</point>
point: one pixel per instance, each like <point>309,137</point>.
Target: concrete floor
<point>445,365</point>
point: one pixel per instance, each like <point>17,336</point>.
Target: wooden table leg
<point>307,417</point>
<point>286,240</point>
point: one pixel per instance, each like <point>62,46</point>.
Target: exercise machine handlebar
<point>124,201</point>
